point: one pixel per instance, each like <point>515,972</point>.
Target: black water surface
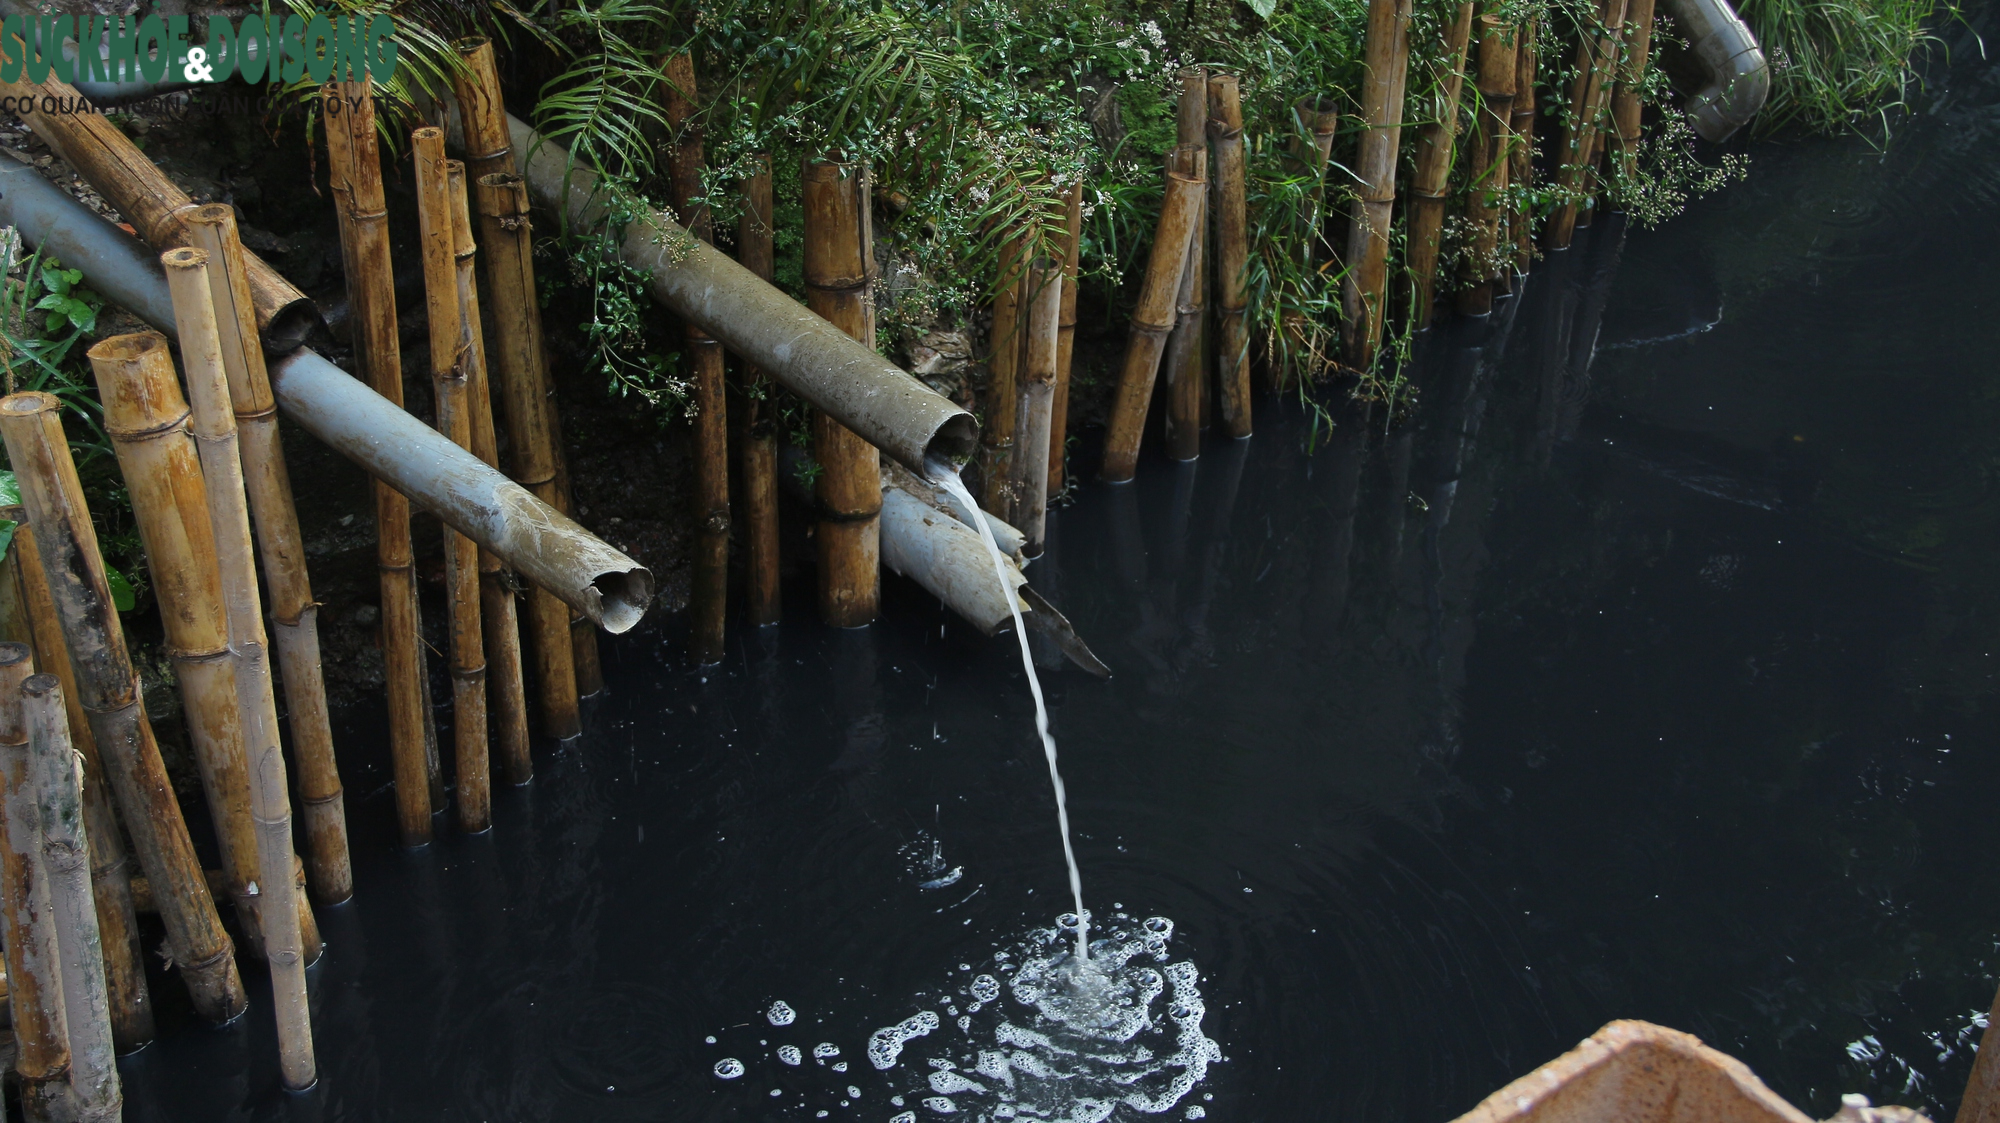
<point>1647,672</point>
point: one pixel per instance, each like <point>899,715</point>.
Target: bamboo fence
<point>1429,187</point>
<point>759,440</point>
<point>1154,316</point>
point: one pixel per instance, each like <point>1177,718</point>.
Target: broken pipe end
<point>622,597</point>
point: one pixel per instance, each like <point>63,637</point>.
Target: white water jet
<point>946,478</point>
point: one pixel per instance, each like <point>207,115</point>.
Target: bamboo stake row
<point>1154,316</point>
<point>1596,60</point>
<point>1436,145</point>
<point>1037,402</point>
<point>1186,358</point>
<point>1232,243</point>
<point>1521,169</point>
<point>1492,160</point>
<point>755,249</point>
<point>1386,57</point>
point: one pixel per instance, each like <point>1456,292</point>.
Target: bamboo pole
<point>57,786</point>
<point>501,626</point>
<point>519,364</point>
<point>1314,121</point>
<point>1625,105</point>
<point>839,268</point>
<point>213,420</point>
<point>66,545</point>
<point>1521,162</point>
<point>294,614</point>
<point>147,421</point>
<point>1038,397</point>
<point>452,355</point>
<point>14,624</point>
<point>1153,317</point>
<point>1386,58</point>
<point>27,915</point>
<point>355,172</point>
<point>1498,59</point>
<point>759,442</point>
<point>1187,356</point>
<point>110,867</point>
<point>1596,58</point>
<point>1003,384</point>
<point>1232,244</point>
<point>1431,185</point>
<point>710,595</point>
<point>1072,248</point>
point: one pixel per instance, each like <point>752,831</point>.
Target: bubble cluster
<point>728,1068</point>
<point>886,1044</point>
<point>789,1054</point>
<point>781,1014</point>
<point>825,1050</point>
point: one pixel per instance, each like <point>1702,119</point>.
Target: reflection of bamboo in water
<point>66,546</point>
<point>110,868</point>
<point>1428,189</point>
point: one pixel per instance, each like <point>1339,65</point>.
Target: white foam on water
<point>789,1054</point>
<point>940,1105</point>
<point>947,478</point>
<point>781,1014</point>
<point>826,1049</point>
<point>886,1044</point>
<point>728,1068</point>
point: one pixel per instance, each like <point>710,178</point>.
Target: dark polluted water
<point>1646,672</point>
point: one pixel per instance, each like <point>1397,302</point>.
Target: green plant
<point>1836,64</point>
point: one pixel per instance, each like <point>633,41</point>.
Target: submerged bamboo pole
<point>1038,399</point>
<point>66,544</point>
<point>519,363</point>
<point>1521,161</point>
<point>759,441</point>
<point>1072,249</point>
<point>1003,384</point>
<point>27,915</point>
<point>148,423</point>
<point>1153,316</point>
<point>1498,59</point>
<point>507,695</point>
<point>65,852</point>
<point>710,596</point>
<point>1386,59</point>
<point>355,171</point>
<point>1232,245</point>
<point>294,614</point>
<point>213,420</point>
<point>1431,184</point>
<point>110,867</point>
<point>839,267</point>
<point>1187,357</point>
<point>1625,104</point>
<point>451,365</point>
<point>1596,58</point>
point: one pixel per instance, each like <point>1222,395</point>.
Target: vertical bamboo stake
<point>1314,121</point>
<point>1521,163</point>
<point>760,431</point>
<point>148,423</point>
<point>1186,355</point>
<point>110,867</point>
<point>1003,386</point>
<point>294,615</point>
<point>57,787</point>
<point>710,598</point>
<point>520,363</point>
<point>355,167</point>
<point>1153,317</point>
<point>1625,104</point>
<point>14,624</point>
<point>214,424</point>
<point>1072,247</point>
<point>1428,190</point>
<point>66,545</point>
<point>508,696</point>
<point>1038,399</point>
<point>1596,56</point>
<point>1232,244</point>
<point>1386,57</point>
<point>1498,58</point>
<point>839,266</point>
<point>452,355</point>
<point>27,915</point>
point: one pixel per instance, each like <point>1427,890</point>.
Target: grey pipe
<point>543,545</point>
<point>1737,79</point>
<point>887,406</point>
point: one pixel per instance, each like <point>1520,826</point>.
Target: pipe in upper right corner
<point>1737,77</point>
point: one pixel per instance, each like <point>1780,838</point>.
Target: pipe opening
<point>289,327</point>
<point>954,442</point>
<point>623,597</point>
